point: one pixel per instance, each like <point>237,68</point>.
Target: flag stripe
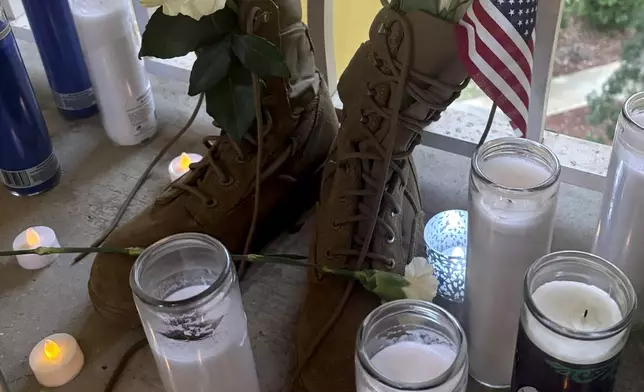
<point>500,36</point>
<point>495,41</point>
<point>496,52</point>
<point>507,27</point>
<point>514,103</point>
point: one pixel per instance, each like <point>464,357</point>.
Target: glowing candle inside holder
<point>56,360</point>
<point>33,238</point>
<point>446,241</point>
<point>181,165</point>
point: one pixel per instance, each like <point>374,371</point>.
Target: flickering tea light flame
<point>184,161</point>
<point>33,239</point>
<point>458,252</point>
<point>52,349</point>
<point>180,165</point>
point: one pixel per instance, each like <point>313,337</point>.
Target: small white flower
<point>195,9</point>
<point>422,282</point>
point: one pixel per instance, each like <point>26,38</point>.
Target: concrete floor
<point>97,177</point>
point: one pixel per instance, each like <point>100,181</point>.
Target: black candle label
<point>536,371</point>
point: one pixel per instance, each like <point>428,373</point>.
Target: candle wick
<point>586,313</point>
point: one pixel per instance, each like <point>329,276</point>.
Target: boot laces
<point>401,76</point>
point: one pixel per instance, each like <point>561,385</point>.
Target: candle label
<point>536,371</point>
<point>34,176</point>
<point>75,101</point>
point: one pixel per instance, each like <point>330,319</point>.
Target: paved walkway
<point>567,92</point>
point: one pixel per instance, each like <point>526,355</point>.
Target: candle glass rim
<point>165,246</point>
<point>627,110</point>
<point>401,307</point>
<point>600,264</point>
<point>528,147</point>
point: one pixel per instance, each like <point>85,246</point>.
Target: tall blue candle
<point>28,165</point>
<point>55,34</point>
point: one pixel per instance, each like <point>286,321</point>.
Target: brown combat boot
<point>370,213</point>
<point>218,196</point>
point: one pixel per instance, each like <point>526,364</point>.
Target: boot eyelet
<point>210,203</point>
<point>390,264</point>
<point>391,240</point>
<point>364,119</point>
<point>228,182</point>
<point>335,226</point>
<point>327,254</point>
<point>394,213</point>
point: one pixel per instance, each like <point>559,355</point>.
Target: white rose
<point>195,9</point>
<point>422,282</point>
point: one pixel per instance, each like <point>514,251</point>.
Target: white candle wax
<point>415,362</point>
<point>56,360</point>
<point>566,303</point>
<point>111,43</point>
<point>180,165</point>
<point>505,236</point>
<point>33,238</point>
<point>222,362</point>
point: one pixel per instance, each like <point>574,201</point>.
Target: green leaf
<point>259,56</point>
<point>230,102</point>
<point>211,66</point>
<point>174,36</point>
<point>386,285</point>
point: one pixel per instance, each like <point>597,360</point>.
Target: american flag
<point>496,43</point>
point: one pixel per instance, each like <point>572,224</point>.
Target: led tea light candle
<point>411,345</point>
<point>181,165</point>
<point>621,223</point>
<point>56,360</point>
<point>446,241</point>
<point>33,238</point>
<point>574,324</point>
<point>187,295</point>
<point>513,194</point>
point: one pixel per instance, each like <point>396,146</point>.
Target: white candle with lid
<point>56,360</point>
<point>33,238</point>
<point>181,165</point>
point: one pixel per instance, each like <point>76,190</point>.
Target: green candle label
<point>536,371</point>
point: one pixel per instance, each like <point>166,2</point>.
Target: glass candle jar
<point>512,201</point>
<point>575,320</point>
<point>411,345</point>
<point>621,219</point>
<point>187,295</point>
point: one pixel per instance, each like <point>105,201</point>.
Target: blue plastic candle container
<point>28,165</point>
<point>55,34</point>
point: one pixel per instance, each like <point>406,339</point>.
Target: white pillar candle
<point>111,44</point>
<point>33,238</point>
<point>222,362</point>
<point>510,226</point>
<point>56,360</point>
<point>181,165</point>
<point>621,223</point>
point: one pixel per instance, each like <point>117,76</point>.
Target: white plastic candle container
<point>110,41</point>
